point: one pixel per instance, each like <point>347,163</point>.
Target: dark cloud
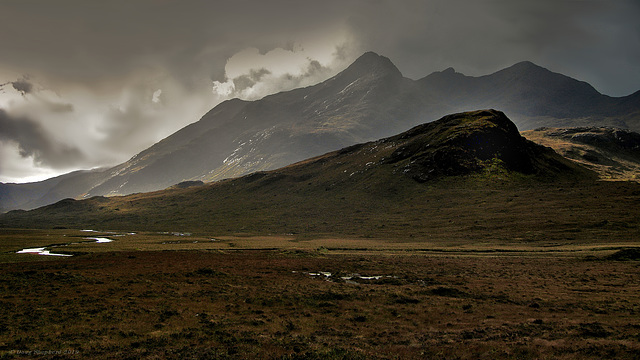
<point>57,107</point>
<point>253,77</point>
<point>34,141</point>
<point>104,42</point>
<point>23,86</point>
<point>80,41</point>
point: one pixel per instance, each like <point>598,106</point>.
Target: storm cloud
<point>34,142</point>
<point>22,85</point>
<point>110,78</point>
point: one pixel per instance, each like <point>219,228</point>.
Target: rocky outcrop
<point>468,142</point>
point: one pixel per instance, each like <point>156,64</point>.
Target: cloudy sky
<point>86,84</point>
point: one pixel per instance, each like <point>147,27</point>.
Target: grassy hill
<point>466,177</point>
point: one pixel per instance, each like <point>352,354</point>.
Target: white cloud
<point>251,74</point>
<point>156,96</point>
<point>277,61</point>
<point>223,89</point>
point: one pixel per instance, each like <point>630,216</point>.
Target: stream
<point>45,251</point>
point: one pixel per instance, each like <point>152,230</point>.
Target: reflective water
<point>100,240</point>
<point>39,251</point>
<point>44,251</point>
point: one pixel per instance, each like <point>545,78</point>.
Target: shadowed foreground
<point>260,304</point>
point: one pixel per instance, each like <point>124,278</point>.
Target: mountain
<point>484,146</point>
<point>534,97</point>
<point>368,100</point>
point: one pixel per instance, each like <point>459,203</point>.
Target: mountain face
<point>485,144</point>
<point>368,100</point>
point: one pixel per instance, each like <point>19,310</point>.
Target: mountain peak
<point>527,66</point>
<point>525,69</point>
<point>372,63</point>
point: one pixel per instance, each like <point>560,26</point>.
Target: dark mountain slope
<point>186,154</point>
<point>162,162</point>
<point>366,100</point>
<point>464,143</point>
<point>366,178</point>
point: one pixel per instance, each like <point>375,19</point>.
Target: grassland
<point>504,272</point>
<point>486,267</point>
<point>270,304</point>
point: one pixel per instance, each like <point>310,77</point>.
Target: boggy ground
<point>267,304</point>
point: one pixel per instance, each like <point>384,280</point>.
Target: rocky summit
<point>463,143</point>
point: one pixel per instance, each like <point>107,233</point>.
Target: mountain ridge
<point>370,99</point>
<point>519,88</point>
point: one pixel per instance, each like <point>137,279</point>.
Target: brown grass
<point>203,304</point>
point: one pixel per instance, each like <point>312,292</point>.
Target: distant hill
<point>32,195</point>
<point>611,152</point>
<point>368,100</point>
<point>484,146</point>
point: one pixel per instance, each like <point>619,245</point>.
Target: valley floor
<point>310,304</point>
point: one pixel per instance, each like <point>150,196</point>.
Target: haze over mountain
<point>369,100</point>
